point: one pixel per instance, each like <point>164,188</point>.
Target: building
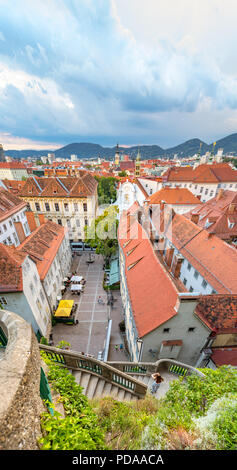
<point>218,216</point>
<point>21,290</point>
<point>71,202</point>
<point>14,226</point>
<point>159,313</point>
<point>13,170</point>
<point>204,181</point>
<point>200,260</point>
<point>2,155</point>
<point>164,279</point>
<point>219,312</point>
<point>48,246</point>
<point>179,199</point>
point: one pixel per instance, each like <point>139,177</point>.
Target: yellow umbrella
<point>66,303</point>
<point>63,312</point>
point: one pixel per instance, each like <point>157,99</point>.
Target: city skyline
<point>109,71</point>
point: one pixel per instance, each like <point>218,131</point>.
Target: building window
<point>206,192</point>
<point>10,223</point>
<point>4,227</point>
<point>191,289</point>
<point>189,266</point>
<point>213,291</point>
<point>201,189</point>
<point>204,284</point>
<point>47,208</point>
<point>75,207</point>
<point>26,227</point>
<point>37,206</point>
<point>85,207</point>
<point>32,288</point>
<point>86,222</point>
<point>59,222</point>
<point>68,223</point>
<point>191,330</point>
<point>196,274</point>
<point>66,207</point>
<point>77,222</point>
<point>184,281</point>
<point>15,238</point>
<point>56,207</point>
<point>166,330</point>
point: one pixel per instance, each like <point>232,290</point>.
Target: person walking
<point>157,381</point>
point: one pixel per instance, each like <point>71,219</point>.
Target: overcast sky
<point>108,71</point>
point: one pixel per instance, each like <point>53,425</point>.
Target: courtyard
<point>89,335</point>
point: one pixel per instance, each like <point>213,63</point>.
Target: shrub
<point>79,429</point>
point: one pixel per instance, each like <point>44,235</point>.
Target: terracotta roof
<point>215,173</point>
<point>13,186</point>
<point>80,186</point>
<point>174,196</point>
<point>10,269</point>
<point>224,356</point>
<point>145,275</point>
<point>214,259</point>
<point>218,215</point>
<point>9,204</point>
<point>218,312</point>
<point>42,245</point>
<point>13,165</point>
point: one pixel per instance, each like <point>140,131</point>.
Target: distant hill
<point>88,150</point>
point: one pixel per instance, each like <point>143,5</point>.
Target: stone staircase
<point>96,387</point>
<point>124,381</point>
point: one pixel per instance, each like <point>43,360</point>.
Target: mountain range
<point>89,150</point>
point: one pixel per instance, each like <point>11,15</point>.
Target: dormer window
<point>230,224</point>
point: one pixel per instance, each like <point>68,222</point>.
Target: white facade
<point>13,173</point>
<point>31,304</point>
<point>150,186</point>
<point>8,232</point>
<point>73,213</point>
<point>58,270</point>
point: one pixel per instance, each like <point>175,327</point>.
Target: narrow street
<point>89,335</point>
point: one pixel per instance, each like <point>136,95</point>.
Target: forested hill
<point>89,150</point>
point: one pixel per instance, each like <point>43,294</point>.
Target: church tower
<point>2,155</point>
<point>117,156</point>
<point>138,164</point>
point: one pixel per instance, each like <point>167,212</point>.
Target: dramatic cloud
<point>157,72</point>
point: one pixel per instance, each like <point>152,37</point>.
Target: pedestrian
<point>116,347</point>
<point>157,381</point>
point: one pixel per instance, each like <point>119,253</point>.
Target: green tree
<point>106,189</point>
<point>102,233</point>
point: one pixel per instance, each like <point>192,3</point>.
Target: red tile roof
<point>9,204</point>
<point>218,312</point>
<point>214,259</point>
<point>13,186</point>
<point>174,196</point>
<point>215,173</point>
<point>81,186</point>
<point>13,165</point>
<point>42,245</point>
<point>10,269</point>
<point>145,275</point>
<point>217,214</point>
<point>224,356</point>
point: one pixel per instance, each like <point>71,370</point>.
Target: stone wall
<point>20,404</point>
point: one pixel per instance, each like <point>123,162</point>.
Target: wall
<point>20,404</point>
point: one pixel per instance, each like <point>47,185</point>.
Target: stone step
<point>92,386</point>
<point>99,389</point>
<point>85,379</point>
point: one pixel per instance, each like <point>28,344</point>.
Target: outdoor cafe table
<point>76,279</point>
<point>76,287</point>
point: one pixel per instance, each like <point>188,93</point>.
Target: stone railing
<point>76,361</point>
<point>148,368</point>
<point>20,369</point>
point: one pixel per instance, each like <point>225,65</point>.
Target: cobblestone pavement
<point>89,335</point>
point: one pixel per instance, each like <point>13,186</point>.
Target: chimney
<point>232,207</point>
<point>194,218</point>
<point>220,194</point>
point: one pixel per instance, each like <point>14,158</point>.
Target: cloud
<point>105,68</point>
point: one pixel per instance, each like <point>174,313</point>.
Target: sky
<point>106,71</point>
